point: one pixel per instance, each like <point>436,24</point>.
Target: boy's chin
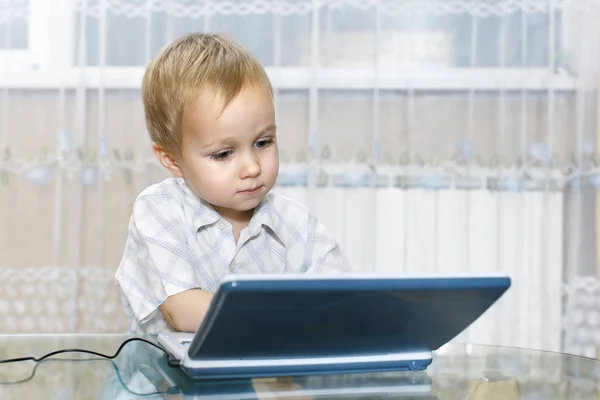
<point>248,206</point>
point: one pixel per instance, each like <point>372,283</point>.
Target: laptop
<point>305,324</point>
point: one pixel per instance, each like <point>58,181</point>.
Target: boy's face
<point>229,157</point>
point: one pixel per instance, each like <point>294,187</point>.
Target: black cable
<point>46,358</point>
<point>172,362</point>
<point>170,391</point>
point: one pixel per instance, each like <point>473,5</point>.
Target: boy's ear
<point>167,160</point>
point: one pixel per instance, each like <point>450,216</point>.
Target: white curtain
<point>432,135</point>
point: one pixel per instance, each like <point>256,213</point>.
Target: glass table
<point>458,371</point>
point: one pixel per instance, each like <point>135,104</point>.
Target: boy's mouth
<point>251,190</point>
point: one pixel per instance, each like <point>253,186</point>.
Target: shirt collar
<point>205,214</point>
<point>264,215</point>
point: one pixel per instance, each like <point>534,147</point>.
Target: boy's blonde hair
<point>180,73</point>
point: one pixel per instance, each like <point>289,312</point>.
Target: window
<point>447,45</point>
<point>28,41</point>
<point>14,25</point>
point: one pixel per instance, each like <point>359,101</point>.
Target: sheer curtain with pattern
<point>450,136</point>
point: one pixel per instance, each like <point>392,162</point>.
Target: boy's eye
<point>221,155</point>
<point>263,143</point>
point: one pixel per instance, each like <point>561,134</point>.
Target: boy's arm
<point>158,274</point>
<point>185,311</point>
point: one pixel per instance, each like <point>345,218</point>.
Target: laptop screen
<point>322,321</point>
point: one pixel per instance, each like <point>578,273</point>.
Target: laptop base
<point>177,344</point>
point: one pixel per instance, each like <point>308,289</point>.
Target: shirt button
<point>221,225</point>
<point>232,266</point>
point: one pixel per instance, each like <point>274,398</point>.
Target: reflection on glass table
<point>140,370</point>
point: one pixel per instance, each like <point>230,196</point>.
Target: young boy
<point>209,111</point>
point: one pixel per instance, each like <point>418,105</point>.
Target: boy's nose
<point>250,167</point>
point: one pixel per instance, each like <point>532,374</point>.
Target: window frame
<point>29,59</point>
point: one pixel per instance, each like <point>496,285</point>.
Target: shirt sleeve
<point>322,252</point>
<point>156,263</point>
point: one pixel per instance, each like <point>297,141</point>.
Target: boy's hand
<point>184,311</point>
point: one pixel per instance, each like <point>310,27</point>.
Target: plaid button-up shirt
<point>178,242</point>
